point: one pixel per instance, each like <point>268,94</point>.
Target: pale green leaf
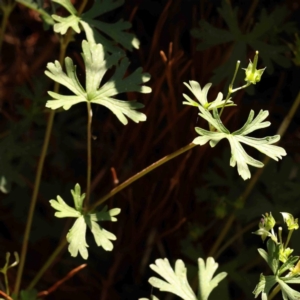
<point>64,210</point>
<point>66,102</point>
<point>68,80</point>
<point>78,197</point>
<point>64,23</point>
<point>252,125</point>
<point>76,238</point>
<point>102,237</point>
<point>207,283</point>
<point>201,96</point>
<point>76,235</point>
<point>96,65</point>
<point>239,156</point>
<point>174,282</point>
<point>287,292</point>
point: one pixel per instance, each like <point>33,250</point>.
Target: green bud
<point>291,223</point>
<point>268,222</point>
<point>284,253</point>
<point>253,75</point>
<point>296,270</point>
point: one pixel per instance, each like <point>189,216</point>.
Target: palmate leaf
<point>76,236</point>
<point>264,37</point>
<point>239,156</point>
<point>95,29</point>
<point>205,276</point>
<point>96,65</point>
<point>266,283</point>
<point>175,281</point>
<point>201,96</point>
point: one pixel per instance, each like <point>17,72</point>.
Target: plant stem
<point>5,295</point>
<point>34,199</point>
<point>288,238</point>
<point>103,199</point>
<point>230,91</point>
<point>6,283</point>
<point>38,177</point>
<point>63,47</point>
<point>141,174</point>
<point>89,153</point>
<point>48,263</point>
<point>274,292</point>
<point>284,125</point>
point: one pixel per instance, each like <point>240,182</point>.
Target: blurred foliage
<point>178,210</point>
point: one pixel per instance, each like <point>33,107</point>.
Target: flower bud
<point>284,253</point>
<point>291,223</point>
<point>253,75</point>
<point>267,222</point>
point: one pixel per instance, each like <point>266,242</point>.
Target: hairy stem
<point>141,174</point>
<point>283,127</point>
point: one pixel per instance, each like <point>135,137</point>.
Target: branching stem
<point>141,174</point>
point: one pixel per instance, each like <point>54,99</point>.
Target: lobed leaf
<point>239,156</point>
<point>96,65</point>
<point>76,238</point>
<point>174,281</point>
<point>64,210</point>
<point>207,283</point>
<point>97,30</point>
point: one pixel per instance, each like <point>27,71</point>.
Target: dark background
<point>176,211</point>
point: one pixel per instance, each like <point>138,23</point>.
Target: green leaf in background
<point>97,31</point>
<point>264,286</point>
<point>239,156</point>
<point>96,65</point>
<point>76,236</point>
<point>264,36</point>
<point>29,295</point>
<point>38,7</point>
<point>16,153</point>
